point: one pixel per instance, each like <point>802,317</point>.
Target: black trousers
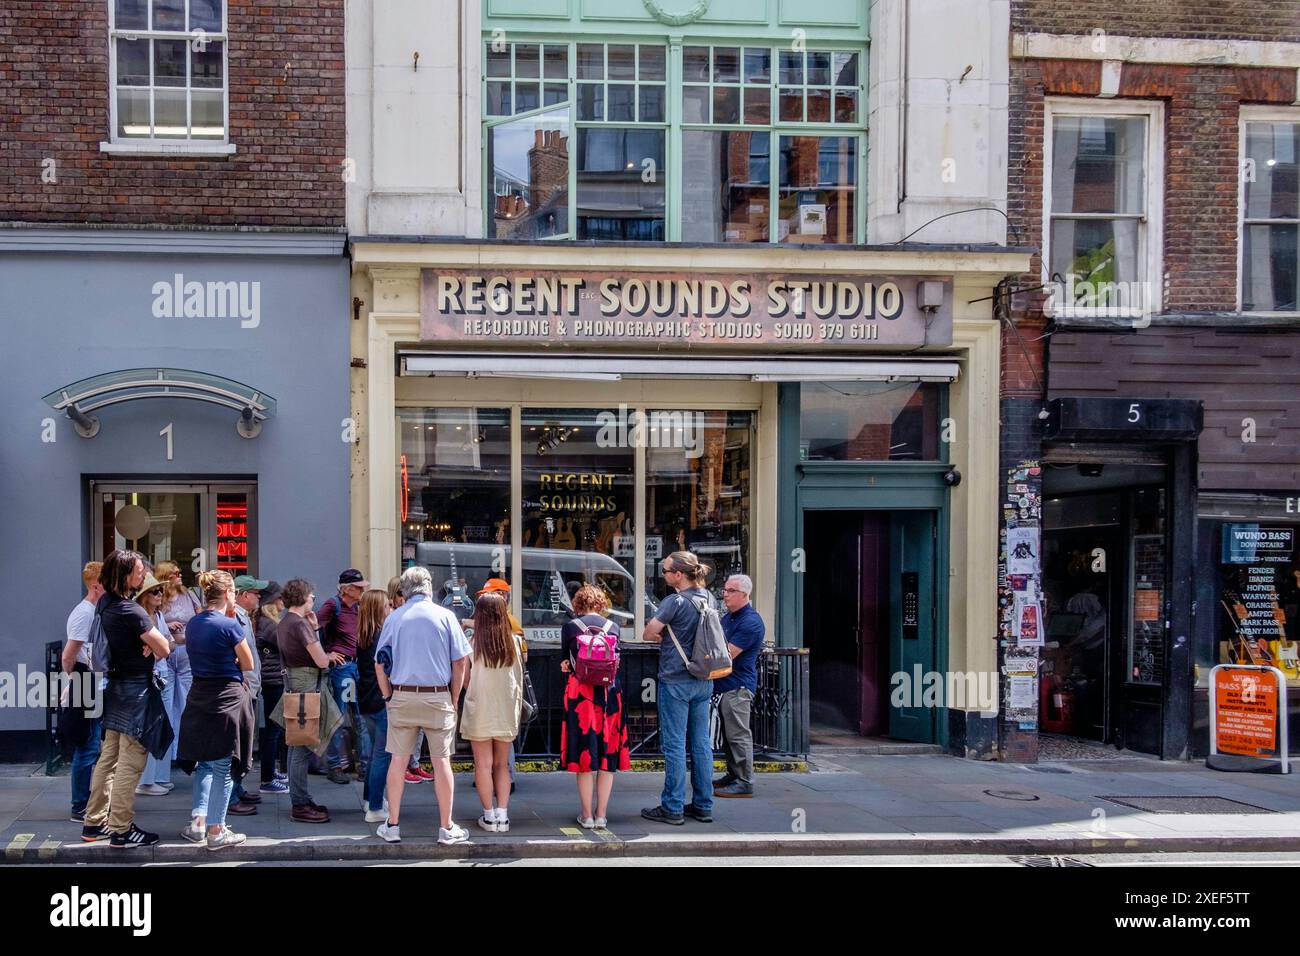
<point>272,733</point>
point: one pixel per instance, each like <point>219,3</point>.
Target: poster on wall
<point>1022,550</point>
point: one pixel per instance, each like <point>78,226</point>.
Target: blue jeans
<point>208,775</point>
<point>683,725</point>
<point>375,730</point>
<point>343,678</point>
<point>84,759</point>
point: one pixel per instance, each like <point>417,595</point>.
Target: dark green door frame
<point>850,486</point>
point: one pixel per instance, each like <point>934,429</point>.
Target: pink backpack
<point>597,658</point>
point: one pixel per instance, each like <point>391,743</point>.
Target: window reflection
<point>578,506</point>
<point>529,163</point>
<point>454,498</point>
<point>620,178</point>
<point>698,492</point>
<point>869,421</point>
<point>725,188</point>
<point>818,189</point>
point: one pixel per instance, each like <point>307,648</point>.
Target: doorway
<point>197,526</point>
<point>869,613</point>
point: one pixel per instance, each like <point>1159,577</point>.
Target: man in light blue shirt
<point>421,661</point>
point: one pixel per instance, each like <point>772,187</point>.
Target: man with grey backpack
<point>692,653</point>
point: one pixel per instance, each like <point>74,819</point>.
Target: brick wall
<point>286,81</point>
<point>1201,156</point>
<point>1219,19</point>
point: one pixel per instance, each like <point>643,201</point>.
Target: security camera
<point>952,478</point>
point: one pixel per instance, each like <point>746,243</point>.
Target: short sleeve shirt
<point>423,640</point>
<point>78,629</point>
<point>212,639</point>
<point>294,635</point>
<point>678,611</point>
<point>124,623</point>
<point>743,628</point>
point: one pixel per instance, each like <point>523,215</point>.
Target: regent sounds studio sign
<point>658,309</point>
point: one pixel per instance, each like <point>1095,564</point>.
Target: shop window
<point>870,421</point>
<point>699,493</point>
<point>167,65</point>
<point>726,180</point>
<point>454,498</point>
<point>620,183</point>
<point>578,513</point>
<point>1256,604</point>
<point>817,191</point>
<point>1103,241</point>
<point>529,162</point>
<point>1145,648</point>
<point>758,99</point>
<point>1270,257</point>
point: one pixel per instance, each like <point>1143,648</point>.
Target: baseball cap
<point>246,582</point>
<point>493,584</point>
<point>352,576</point>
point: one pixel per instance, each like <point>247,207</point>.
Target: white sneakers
<point>227,837</point>
<point>391,833</point>
<point>448,836</point>
<point>592,823</point>
<point>377,816</point>
<point>601,823</point>
<point>152,790</point>
<point>194,834</point>
<point>494,821</point>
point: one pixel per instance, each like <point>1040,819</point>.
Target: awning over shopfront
<point>614,368</point>
<point>81,398</point>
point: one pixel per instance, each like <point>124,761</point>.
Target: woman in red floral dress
<point>593,740</point>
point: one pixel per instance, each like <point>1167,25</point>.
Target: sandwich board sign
<point>1248,719</point>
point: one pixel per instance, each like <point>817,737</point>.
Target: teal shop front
<point>863,517</point>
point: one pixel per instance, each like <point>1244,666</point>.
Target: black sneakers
<point>133,837</point>
<point>703,816</point>
<point>660,815</point>
<point>91,834</point>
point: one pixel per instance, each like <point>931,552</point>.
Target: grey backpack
<point>710,658</point>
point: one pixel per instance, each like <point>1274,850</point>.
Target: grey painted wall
<point>66,316</point>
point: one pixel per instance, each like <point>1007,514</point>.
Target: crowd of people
<point>186,670</point>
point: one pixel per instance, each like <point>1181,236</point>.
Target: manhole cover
<point>1048,861</point>
<point>1187,804</point>
<point>1040,769</point>
<point>1012,795</point>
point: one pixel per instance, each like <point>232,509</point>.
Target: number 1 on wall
<point>168,433</point>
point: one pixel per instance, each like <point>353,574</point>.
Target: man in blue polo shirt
<point>744,631</point>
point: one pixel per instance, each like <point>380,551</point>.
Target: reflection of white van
<point>551,576</point>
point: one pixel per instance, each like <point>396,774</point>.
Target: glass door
<point>199,526</point>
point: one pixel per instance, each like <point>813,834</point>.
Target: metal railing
<point>779,718</point>
<point>54,748</point>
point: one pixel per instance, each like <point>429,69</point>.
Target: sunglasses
<point>732,591</point>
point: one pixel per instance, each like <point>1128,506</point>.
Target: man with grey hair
<point>744,631</point>
<point>421,662</point>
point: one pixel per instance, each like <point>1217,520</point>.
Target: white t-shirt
<point>79,622</point>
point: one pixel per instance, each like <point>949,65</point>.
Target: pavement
<point>843,804</point>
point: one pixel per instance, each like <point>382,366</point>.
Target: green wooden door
<point>912,617</point>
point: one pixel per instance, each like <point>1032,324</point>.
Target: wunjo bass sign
<point>659,309</point>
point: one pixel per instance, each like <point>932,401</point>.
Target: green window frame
<point>521,82</point>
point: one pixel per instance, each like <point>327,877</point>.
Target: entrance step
<point>869,746</point>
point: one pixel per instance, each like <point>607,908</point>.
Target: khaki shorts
<point>409,713</point>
